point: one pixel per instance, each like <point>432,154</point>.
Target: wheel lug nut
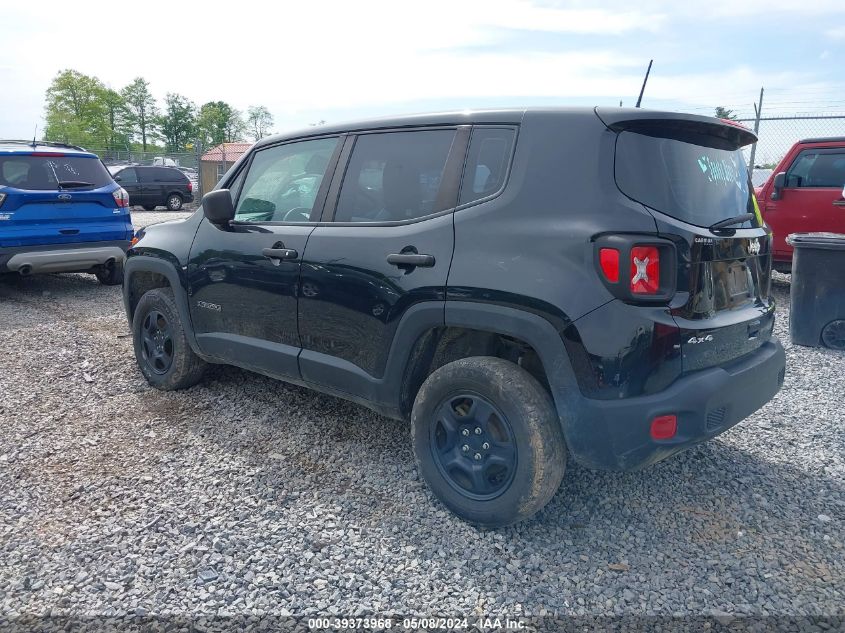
<point>485,446</point>
<point>478,430</point>
<point>477,456</point>
<point>465,448</point>
<point>465,432</point>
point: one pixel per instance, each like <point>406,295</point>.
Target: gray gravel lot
<point>245,495</point>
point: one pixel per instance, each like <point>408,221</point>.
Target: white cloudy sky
<point>339,59</point>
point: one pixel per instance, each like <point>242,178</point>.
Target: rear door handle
<point>411,260</point>
<point>839,203</point>
<point>280,253</point>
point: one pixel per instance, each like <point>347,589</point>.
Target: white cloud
<point>837,33</point>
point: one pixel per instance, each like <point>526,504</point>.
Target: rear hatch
<point>691,175</point>
<point>58,198</point>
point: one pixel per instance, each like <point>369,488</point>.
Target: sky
<point>335,60</point>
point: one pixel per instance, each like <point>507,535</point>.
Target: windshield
<point>693,181</point>
<point>46,172</point>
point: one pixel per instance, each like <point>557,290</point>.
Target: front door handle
<point>839,203</point>
<point>280,253</point>
<point>410,260</point>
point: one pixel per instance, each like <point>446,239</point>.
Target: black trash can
<point>817,295</point>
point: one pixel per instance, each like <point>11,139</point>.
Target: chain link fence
<point>777,134</point>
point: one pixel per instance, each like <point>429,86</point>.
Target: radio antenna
<point>642,90</point>
<point>34,135</point>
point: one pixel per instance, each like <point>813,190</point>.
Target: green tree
<point>74,109</point>
<point>724,113</point>
<point>142,109</point>
<point>259,121</point>
<point>117,120</point>
<point>178,122</point>
<point>236,127</point>
<point>219,122</point>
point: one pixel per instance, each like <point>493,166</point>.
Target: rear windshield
<point>693,181</point>
<point>47,172</point>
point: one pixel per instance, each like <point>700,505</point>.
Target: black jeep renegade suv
<point>522,285</point>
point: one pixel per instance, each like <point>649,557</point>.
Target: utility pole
<point>758,112</point>
<point>642,90</point>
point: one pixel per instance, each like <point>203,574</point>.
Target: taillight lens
<point>121,198</point>
<point>645,270</point>
<point>609,262</point>
<point>190,186</point>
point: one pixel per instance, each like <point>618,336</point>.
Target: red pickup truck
<point>805,194</point>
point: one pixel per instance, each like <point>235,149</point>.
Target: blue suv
<point>60,211</point>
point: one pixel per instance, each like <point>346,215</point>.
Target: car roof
<point>458,117</point>
<point>506,116</point>
<point>14,146</point>
<point>824,139</point>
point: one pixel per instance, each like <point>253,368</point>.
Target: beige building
<point>216,162</point>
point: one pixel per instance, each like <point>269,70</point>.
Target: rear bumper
<point>615,434</point>
<point>57,258</point>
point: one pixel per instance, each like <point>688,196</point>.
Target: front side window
<point>394,176</point>
<point>282,182</point>
<point>817,169</point>
<point>487,163</point>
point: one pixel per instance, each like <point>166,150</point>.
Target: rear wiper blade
<point>63,184</point>
<point>722,224</point>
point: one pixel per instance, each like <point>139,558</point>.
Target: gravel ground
<point>248,496</point>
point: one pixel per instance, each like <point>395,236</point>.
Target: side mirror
<point>217,207</point>
<point>779,182</point>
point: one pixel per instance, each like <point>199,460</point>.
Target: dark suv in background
<point>522,285</point>
<point>152,187</point>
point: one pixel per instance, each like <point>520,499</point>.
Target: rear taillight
<point>645,270</point>
<point>190,186</point>
<point>637,268</point>
<point>121,198</point>
<point>609,262</point>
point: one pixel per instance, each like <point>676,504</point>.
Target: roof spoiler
<point>676,125</point>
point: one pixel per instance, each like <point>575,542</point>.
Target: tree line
<point>81,110</point>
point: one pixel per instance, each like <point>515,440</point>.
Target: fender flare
<point>535,330</point>
<point>145,264</point>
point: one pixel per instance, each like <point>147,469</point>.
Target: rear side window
<point>487,163</point>
<point>48,172</point>
<point>692,181</point>
<point>817,169</point>
<point>163,174</point>
<point>394,176</point>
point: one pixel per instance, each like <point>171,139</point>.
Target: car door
<point>384,247</point>
<point>811,199</point>
<point>128,179</point>
<point>244,277</point>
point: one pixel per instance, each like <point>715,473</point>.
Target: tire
<point>833,335</point>
<point>174,202</point>
<point>149,207</point>
<point>156,323</point>
<point>111,276</point>
<point>517,454</point>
